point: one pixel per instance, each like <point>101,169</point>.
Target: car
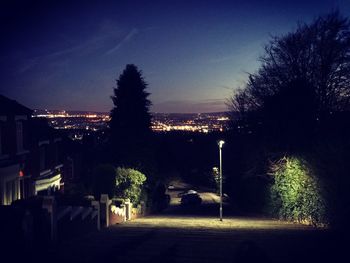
<point>187,192</point>
<point>225,198</point>
<point>171,187</point>
<point>191,199</point>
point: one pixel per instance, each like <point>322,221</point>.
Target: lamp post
<point>220,143</point>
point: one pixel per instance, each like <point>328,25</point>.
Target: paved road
<point>196,235</point>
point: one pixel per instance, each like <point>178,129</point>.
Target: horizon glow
<point>193,55</point>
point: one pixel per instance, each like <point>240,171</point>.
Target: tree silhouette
<point>296,104</point>
<point>130,118</point>
<point>304,77</point>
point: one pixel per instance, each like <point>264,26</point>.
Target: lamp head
<point>220,143</point>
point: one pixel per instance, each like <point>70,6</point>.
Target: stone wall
<point>116,214</point>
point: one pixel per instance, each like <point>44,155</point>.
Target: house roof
<point>9,107</point>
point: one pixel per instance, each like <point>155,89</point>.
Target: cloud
<point>126,39</point>
<point>98,40</point>
<point>28,64</point>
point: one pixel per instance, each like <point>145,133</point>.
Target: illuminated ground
<point>196,235</point>
<point>212,224</point>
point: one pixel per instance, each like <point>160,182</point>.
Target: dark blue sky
<point>63,55</point>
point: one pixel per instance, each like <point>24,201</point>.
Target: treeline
<point>286,155</point>
<point>291,142</point>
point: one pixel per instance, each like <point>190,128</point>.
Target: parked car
<point>191,199</point>
<point>225,198</point>
<point>187,192</point>
<point>171,187</point>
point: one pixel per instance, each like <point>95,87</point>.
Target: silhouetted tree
<point>305,70</point>
<point>130,118</point>
<point>297,103</point>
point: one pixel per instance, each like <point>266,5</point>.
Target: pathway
<point>196,235</point>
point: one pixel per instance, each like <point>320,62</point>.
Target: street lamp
<point>220,143</point>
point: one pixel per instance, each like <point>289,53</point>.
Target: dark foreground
<point>196,235</point>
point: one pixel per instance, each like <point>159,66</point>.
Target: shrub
<point>129,184</point>
<point>296,194</point>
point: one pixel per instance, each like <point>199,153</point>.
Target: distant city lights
<point>161,122</point>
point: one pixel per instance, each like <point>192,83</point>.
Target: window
<point>19,136</point>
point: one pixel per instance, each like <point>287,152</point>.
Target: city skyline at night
<point>161,122</point>
<point>174,131</point>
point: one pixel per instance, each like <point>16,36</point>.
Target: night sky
<point>62,55</point>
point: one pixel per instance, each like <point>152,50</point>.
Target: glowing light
<point>210,223</point>
<point>221,143</point>
<point>223,119</point>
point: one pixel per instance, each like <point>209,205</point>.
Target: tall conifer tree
<point>130,118</point>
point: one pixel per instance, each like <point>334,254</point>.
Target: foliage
<point>296,193</point>
<point>129,184</point>
<point>103,180</point>
<point>130,124</point>
<point>304,77</point>
<point>130,116</point>
<point>331,162</point>
<point>297,103</point>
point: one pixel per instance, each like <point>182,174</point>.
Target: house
<point>14,149</point>
<point>31,157</point>
<point>45,161</point>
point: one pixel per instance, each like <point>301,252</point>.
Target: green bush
<point>296,194</point>
<point>129,184</point>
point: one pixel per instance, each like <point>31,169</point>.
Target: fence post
<point>96,205</point>
<point>105,202</point>
<point>49,204</point>
<point>123,206</point>
<point>128,207</point>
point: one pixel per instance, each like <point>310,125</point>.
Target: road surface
<point>196,235</point>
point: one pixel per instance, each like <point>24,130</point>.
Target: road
<point>196,235</point>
